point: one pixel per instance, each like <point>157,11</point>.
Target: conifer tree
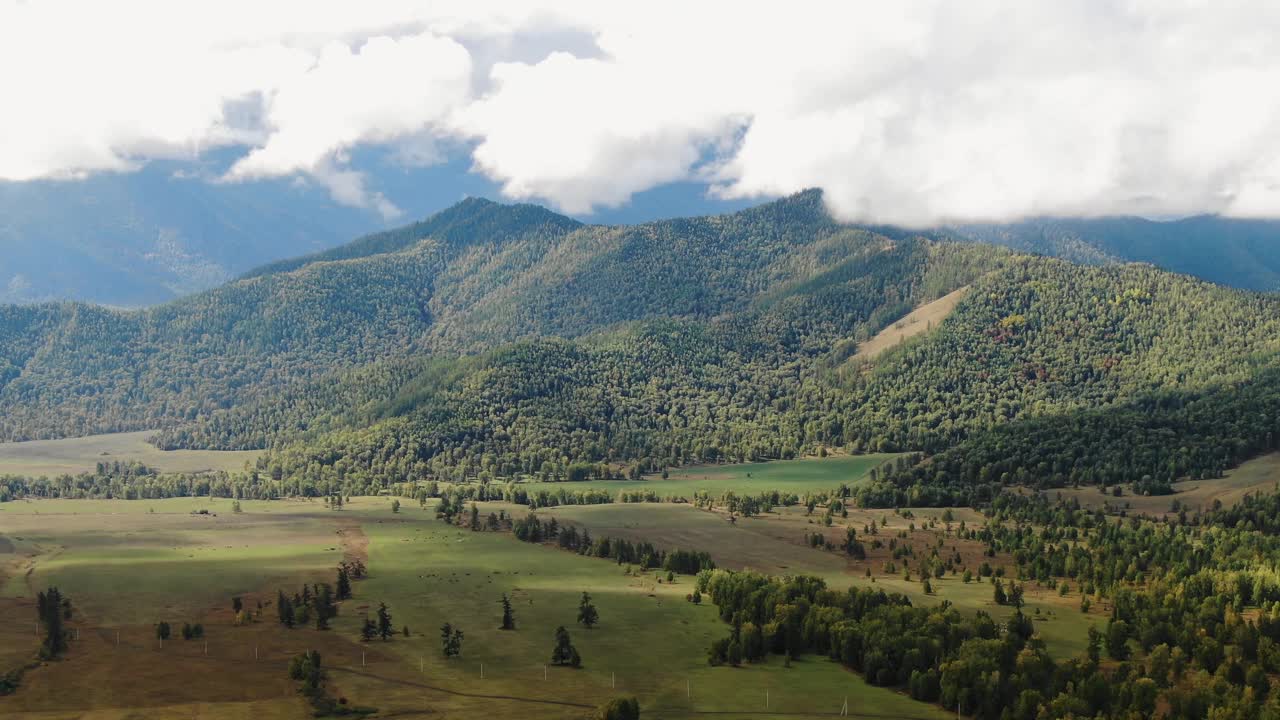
<point>385,629</point>
<point>588,616</point>
<point>508,615</point>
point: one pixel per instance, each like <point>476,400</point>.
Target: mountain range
<point>170,229</point>
<point>501,341</point>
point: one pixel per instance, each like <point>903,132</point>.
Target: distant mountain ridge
<point>143,238</point>
<point>1234,252</point>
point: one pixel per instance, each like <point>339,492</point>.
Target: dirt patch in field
<point>354,543</point>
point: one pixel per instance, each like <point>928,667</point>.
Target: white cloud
<point>918,112</point>
<point>387,90</point>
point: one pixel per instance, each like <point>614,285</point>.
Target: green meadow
<point>71,456</point>
<point>128,564</point>
<point>797,476</point>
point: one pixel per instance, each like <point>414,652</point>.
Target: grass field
<point>1259,475</point>
<point>127,564</point>
<point>774,544</point>
<point>797,476</point>
<point>76,455</point>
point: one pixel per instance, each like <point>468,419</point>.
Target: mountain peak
<point>470,220</point>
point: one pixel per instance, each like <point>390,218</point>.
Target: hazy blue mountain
<point>166,230</point>
<point>1239,253</point>
<point>146,237</point>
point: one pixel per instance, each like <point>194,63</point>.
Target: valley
<point>909,472</point>
<point>650,638</point>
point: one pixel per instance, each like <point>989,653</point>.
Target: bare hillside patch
<point>914,323</point>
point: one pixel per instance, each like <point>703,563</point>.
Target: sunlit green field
<point>71,456</point>
<point>773,545</point>
<point>797,476</point>
<point>128,564</point>
<point>650,641</point>
<point>137,562</point>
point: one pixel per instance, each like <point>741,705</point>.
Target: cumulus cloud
<point>916,113</point>
<point>384,91</point>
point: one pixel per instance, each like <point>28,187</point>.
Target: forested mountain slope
<point>481,275</point>
<point>504,341</point>
<point>1101,356</point>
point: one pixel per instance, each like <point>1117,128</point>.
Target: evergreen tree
<point>446,635</point>
<point>587,614</point>
<point>368,630</point>
<point>385,629</point>
<point>325,608</point>
<point>344,583</point>
<point>508,615</point>
<point>284,609</point>
<point>564,653</point>
<point>49,610</point>
<point>450,640</point>
<point>1094,652</point>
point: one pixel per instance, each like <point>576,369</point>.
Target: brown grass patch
<point>918,321</point>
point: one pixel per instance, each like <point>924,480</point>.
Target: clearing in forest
<point>795,476</point>
<point>71,456</point>
<point>914,323</point>
<point>1257,476</point>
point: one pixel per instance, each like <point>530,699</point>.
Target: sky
<point>909,113</point>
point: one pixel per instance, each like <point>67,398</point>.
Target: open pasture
<point>36,458</point>
<point>796,476</point>
<point>120,561</point>
<point>774,543</point>
<point>127,564</point>
<point>1260,475</point>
